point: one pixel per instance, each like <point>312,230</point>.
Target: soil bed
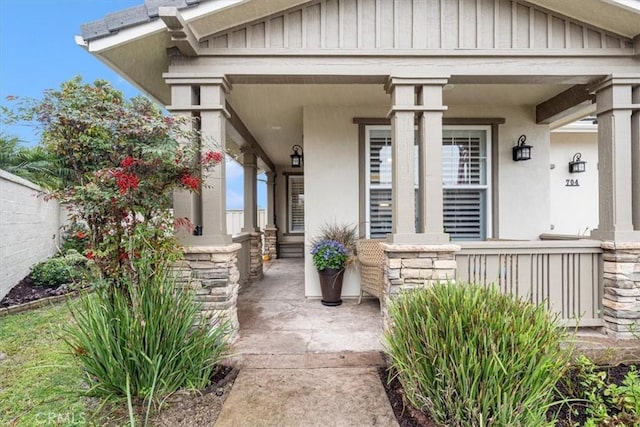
<point>183,408</point>
<point>569,415</point>
<point>27,291</point>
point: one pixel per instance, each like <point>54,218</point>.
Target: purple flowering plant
<point>329,254</point>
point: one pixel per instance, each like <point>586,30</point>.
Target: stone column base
<point>271,242</point>
<point>255,268</point>
<point>212,272</point>
<point>415,266</point>
<point>621,283</point>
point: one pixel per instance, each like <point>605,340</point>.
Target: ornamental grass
<point>472,356</point>
<point>140,341</point>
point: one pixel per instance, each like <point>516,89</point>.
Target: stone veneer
<point>255,254</point>
<point>621,299</point>
<point>412,266</point>
<point>271,242</point>
<point>212,272</point>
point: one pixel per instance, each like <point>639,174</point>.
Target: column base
<point>206,240</point>
<point>418,238</point>
<point>616,236</point>
<point>255,254</point>
<point>621,283</point>
<point>271,242</point>
<point>415,266</point>
<point>212,273</point>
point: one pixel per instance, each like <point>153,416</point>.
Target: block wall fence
<point>29,228</point>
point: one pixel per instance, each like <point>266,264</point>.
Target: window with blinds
<point>464,178</point>
<point>379,182</point>
<point>295,185</point>
<point>465,167</point>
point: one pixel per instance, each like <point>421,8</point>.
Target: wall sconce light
<point>521,151</point>
<point>576,165</point>
<point>297,156</point>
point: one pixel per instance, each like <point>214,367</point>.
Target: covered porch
<point>407,114</point>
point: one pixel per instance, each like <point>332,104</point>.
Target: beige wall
<point>331,179</point>
<point>523,187</point>
<point>574,210</point>
<point>29,229</point>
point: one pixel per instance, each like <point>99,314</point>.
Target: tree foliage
<point>32,163</point>
<point>124,159</point>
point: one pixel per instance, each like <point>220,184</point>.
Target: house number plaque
<point>572,183</point>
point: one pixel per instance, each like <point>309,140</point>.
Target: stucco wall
<point>331,179</point>
<point>574,209</point>
<point>29,229</point>
<point>523,187</point>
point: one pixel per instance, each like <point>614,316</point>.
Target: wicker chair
<point>371,260</point>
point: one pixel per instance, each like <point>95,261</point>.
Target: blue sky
<point>38,52</point>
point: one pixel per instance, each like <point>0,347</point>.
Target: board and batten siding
<point>417,24</point>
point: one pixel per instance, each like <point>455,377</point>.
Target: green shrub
<point>59,270</point>
<point>52,272</point>
<point>472,356</point>
<point>75,238</point>
<point>606,403</point>
<point>141,341</point>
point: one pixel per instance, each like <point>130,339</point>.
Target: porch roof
<point>134,42</point>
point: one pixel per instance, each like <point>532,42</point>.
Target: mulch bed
<point>27,291</point>
<point>568,416</point>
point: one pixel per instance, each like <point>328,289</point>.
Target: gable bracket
<point>179,31</point>
<point>564,104</point>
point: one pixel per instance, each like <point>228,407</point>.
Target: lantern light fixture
<point>297,157</point>
<point>522,151</point>
<point>577,165</point>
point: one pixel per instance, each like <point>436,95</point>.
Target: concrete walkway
<point>302,363</point>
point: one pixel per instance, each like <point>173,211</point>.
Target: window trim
<point>490,123</point>
<point>289,176</point>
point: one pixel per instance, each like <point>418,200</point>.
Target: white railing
<point>244,256</point>
<point>566,275</point>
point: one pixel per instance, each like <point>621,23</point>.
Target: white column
<point>635,156</point>
<point>615,159</point>
<point>430,196</point>
<point>271,199</point>
<point>213,116</point>
<point>250,192</point>
<point>186,204</point>
<point>402,117</point>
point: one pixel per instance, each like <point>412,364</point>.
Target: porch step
<point>291,250</point>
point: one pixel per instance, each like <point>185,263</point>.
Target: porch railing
<point>244,256</point>
<point>565,276</point>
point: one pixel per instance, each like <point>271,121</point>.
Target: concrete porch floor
<point>302,363</point>
<point>276,318</point>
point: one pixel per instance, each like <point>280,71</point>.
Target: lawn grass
<point>40,383</point>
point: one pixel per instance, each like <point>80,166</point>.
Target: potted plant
<point>333,251</point>
<point>330,258</point>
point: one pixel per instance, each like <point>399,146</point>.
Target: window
<point>465,165</point>
<point>295,201</point>
<point>465,170</point>
<point>379,181</point>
